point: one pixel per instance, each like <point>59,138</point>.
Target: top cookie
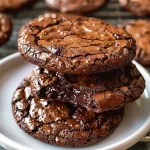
<point>78,6</point>
<point>14,5</point>
<point>138,7</point>
<point>75,44</point>
<point>140,30</point>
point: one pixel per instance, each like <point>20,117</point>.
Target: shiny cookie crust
<point>75,44</point>
<point>62,124</point>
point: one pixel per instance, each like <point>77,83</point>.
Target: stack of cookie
<point>84,76</point>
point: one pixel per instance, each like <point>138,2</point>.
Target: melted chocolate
<point>98,92</point>
<point>63,124</point>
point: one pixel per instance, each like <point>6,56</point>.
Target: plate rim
<point>130,140</point>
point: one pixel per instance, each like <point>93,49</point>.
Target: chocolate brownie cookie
<point>78,6</point>
<point>99,92</point>
<point>138,7</point>
<point>5,28</point>
<point>75,44</point>
<point>15,5</point>
<point>62,124</point>
<point>140,31</point>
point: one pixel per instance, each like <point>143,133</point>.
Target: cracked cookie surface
<point>75,44</point>
<point>140,31</point>
<point>62,124</point>
<point>99,92</point>
<point>75,6</point>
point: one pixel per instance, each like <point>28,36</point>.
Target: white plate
<point>135,124</point>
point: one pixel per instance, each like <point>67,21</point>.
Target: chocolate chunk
<point>98,92</point>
